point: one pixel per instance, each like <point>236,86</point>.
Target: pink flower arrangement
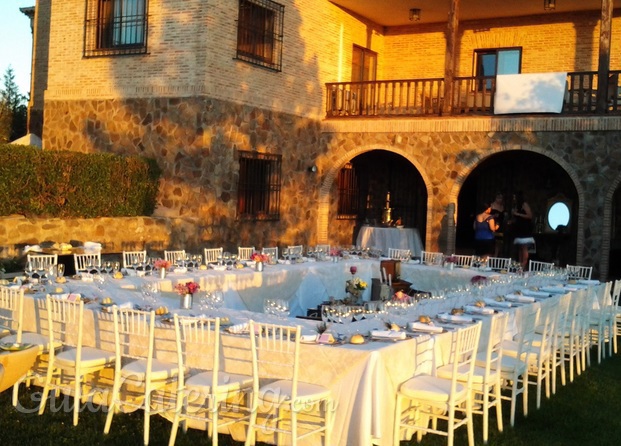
<point>450,259</point>
<point>162,264</point>
<point>478,280</point>
<point>258,257</point>
<point>399,295</point>
<point>335,252</point>
<point>187,288</point>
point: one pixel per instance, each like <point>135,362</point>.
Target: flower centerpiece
<point>186,291</point>
<point>355,286</point>
<point>450,261</point>
<point>258,257</point>
<point>478,280</point>
<point>162,266</point>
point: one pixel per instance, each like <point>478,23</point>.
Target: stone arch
<point>463,174</point>
<point>604,266</point>
<point>323,218</point>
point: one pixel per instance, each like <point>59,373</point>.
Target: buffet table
<point>383,238</point>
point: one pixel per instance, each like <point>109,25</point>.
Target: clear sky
<point>15,42</point>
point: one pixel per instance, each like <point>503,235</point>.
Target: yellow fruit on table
<point>395,327</point>
<point>61,279</point>
<point>106,301</point>
<point>357,339</point>
<point>479,303</point>
<point>58,290</point>
<point>500,299</point>
<point>118,275</point>
<point>424,319</point>
<point>457,311</point>
<point>225,320</point>
<point>161,310</point>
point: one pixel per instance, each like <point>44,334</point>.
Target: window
<point>363,64</point>
<point>490,62</point>
<point>260,33</point>
<point>115,27</point>
<point>347,193</point>
<point>259,186</point>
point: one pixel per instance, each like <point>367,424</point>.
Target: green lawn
<point>582,413</point>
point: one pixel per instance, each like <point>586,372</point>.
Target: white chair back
<point>244,252</point>
<point>296,250</point>
<point>271,252</point>
<point>399,254</point>
<point>537,266</point>
<point>212,255</point>
<point>463,260</point>
<point>174,256</point>
<point>431,258</point>
<point>498,263</point>
<point>42,261</point>
<point>87,262</point>
<point>11,312</point>
<point>575,272</point>
<point>132,258</point>
<point>323,249</point>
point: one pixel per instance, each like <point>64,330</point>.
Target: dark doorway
<point>541,179</point>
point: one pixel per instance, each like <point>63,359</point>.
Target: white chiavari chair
<point>498,263</point>
<point>463,260</point>
<point>271,252</point>
<point>138,372</point>
<point>435,396</point>
<point>70,364</point>
<point>431,258</point>
<point>131,258</point>
<point>399,254</point>
<point>42,260</point>
<point>207,393</point>
<point>575,272</point>
<point>323,248</point>
<point>538,266</point>
<point>244,253</point>
<point>174,256</point>
<point>276,386</point>
<point>86,262</point>
<point>603,321</point>
<point>212,255</point>
<point>296,251</point>
<point>571,336</point>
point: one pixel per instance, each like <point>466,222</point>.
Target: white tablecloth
<point>384,238</point>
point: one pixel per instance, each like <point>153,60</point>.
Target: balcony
<point>471,96</point>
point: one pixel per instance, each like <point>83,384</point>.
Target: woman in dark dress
<point>522,228</point>
<point>484,228</point>
<point>498,213</point>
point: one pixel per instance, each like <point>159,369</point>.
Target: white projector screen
<point>529,93</point>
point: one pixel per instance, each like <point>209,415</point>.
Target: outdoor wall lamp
<point>312,169</point>
<point>414,15</point>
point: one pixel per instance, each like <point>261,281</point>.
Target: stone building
<point>287,122</point>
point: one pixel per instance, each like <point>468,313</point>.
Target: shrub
<point>65,184</point>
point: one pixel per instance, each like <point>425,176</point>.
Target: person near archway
<point>498,212</point>
<point>522,228</point>
<point>484,228</point>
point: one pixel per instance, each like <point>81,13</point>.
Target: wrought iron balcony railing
<point>471,96</point>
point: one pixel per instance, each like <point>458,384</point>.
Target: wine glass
<point>60,270</point>
<point>353,270</point>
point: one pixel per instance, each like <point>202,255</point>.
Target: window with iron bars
<point>348,193</point>
<point>260,33</point>
<point>258,191</point>
<point>115,27</point>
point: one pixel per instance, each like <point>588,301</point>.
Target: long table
<point>384,238</point>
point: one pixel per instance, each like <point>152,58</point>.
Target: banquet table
<point>436,277</point>
<point>363,379</point>
<point>383,238</point>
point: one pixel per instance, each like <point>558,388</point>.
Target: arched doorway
<point>543,182</point>
<point>364,178</point>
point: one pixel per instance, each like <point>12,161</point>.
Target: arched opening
<point>362,187</point>
<point>542,181</point>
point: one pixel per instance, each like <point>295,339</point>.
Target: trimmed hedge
<point>41,183</point>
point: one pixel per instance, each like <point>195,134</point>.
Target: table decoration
<point>260,260</point>
<point>355,286</point>
<point>449,262</point>
<point>162,266</point>
<point>186,291</point>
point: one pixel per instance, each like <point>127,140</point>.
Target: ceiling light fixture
<point>414,15</point>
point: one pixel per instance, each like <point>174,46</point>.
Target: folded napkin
<point>91,247</point>
<point>33,248</point>
<point>588,282</point>
<point>125,305</point>
<point>415,262</point>
<point>428,328</point>
<point>455,317</point>
<point>519,298</point>
<point>388,334</point>
<point>527,292</point>
<point>478,310</point>
<point>554,289</point>
<point>218,267</point>
<point>495,303</point>
<point>308,338</point>
<point>86,277</point>
<point>239,328</point>
<point>180,269</point>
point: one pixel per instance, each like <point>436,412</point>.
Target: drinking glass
<point>282,308</point>
<point>60,270</point>
<point>269,305</point>
<point>29,270</point>
<point>217,299</point>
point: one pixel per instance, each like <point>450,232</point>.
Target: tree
<point>13,109</point>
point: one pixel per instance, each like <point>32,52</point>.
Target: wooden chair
<point>137,368</point>
<point>174,256</point>
<point>244,253</point>
<point>131,258</point>
<point>68,367</point>
<point>435,396</point>
<point>87,262</point>
<point>212,255</point>
<point>207,393</point>
<point>277,388</point>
